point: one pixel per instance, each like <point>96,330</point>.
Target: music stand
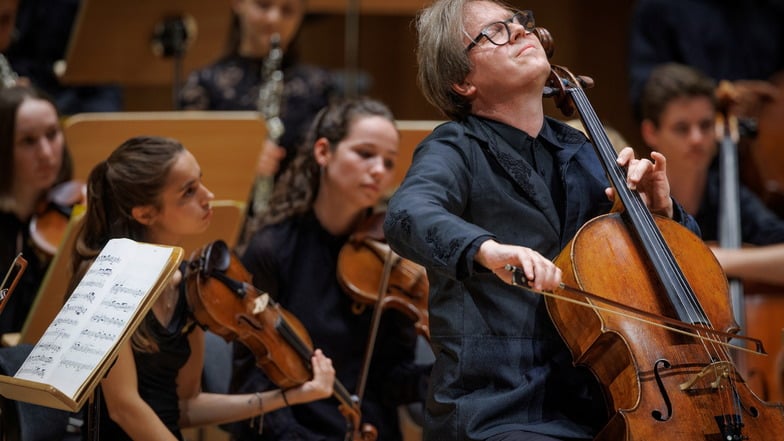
<point>144,42</point>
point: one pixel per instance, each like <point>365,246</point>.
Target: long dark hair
<point>297,187</point>
<point>133,175</point>
<point>10,101</point>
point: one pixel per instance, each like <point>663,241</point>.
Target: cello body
<point>641,368</point>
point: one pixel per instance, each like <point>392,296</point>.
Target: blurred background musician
<point>678,108</point>
<point>233,81</point>
<point>734,40</point>
<point>33,160</point>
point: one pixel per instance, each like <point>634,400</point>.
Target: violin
<point>360,269</point>
<point>223,300</point>
<point>48,224</point>
<point>656,381</point>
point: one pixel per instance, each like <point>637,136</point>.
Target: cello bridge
<point>719,369</point>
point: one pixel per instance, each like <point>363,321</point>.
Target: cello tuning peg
<point>585,82</point>
<point>548,44</point>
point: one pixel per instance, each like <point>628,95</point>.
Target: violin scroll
<point>546,38</point>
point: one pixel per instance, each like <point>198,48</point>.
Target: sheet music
<point>96,315</point>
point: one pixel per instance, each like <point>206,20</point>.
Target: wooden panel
<point>226,144</point>
<point>112,40</point>
<point>411,134</point>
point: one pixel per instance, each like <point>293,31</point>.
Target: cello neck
<point>728,136</point>
<point>681,296</point>
<point>729,213</point>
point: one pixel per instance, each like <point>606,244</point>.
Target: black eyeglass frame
<point>526,20</point>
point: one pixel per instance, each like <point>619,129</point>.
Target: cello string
<point>648,231</point>
<point>658,249</point>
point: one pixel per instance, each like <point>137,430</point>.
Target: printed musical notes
<point>105,308</point>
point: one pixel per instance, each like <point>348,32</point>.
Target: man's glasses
<point>499,33</point>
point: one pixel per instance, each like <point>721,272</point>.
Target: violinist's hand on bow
<point>649,178</point>
<point>320,386</point>
<point>269,159</point>
<point>540,272</point>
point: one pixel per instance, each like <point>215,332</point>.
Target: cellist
<point>501,184</point>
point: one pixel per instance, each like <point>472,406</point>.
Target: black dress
<point>295,261</point>
<point>157,372</point>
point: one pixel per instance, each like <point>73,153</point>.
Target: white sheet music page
<point>96,315</point>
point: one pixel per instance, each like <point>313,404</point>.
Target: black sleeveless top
<point>156,372</point>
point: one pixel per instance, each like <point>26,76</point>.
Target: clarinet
<point>7,75</point>
<point>268,103</point>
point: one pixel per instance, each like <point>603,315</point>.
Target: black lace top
<point>232,83</point>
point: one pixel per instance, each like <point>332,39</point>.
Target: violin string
<point>652,234</point>
<point>649,231</point>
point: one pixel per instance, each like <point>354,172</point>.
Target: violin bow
<point>383,285</point>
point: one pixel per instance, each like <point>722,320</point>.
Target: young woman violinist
<point>33,160</point>
<point>150,189</point>
<point>342,172</point>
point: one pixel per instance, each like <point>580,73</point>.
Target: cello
<point>222,299</point>
<point>655,381</point>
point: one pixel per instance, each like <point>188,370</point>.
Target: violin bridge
<point>720,369</point>
<point>260,303</point>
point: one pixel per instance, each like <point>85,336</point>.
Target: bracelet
<point>283,394</point>
<point>260,416</point>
